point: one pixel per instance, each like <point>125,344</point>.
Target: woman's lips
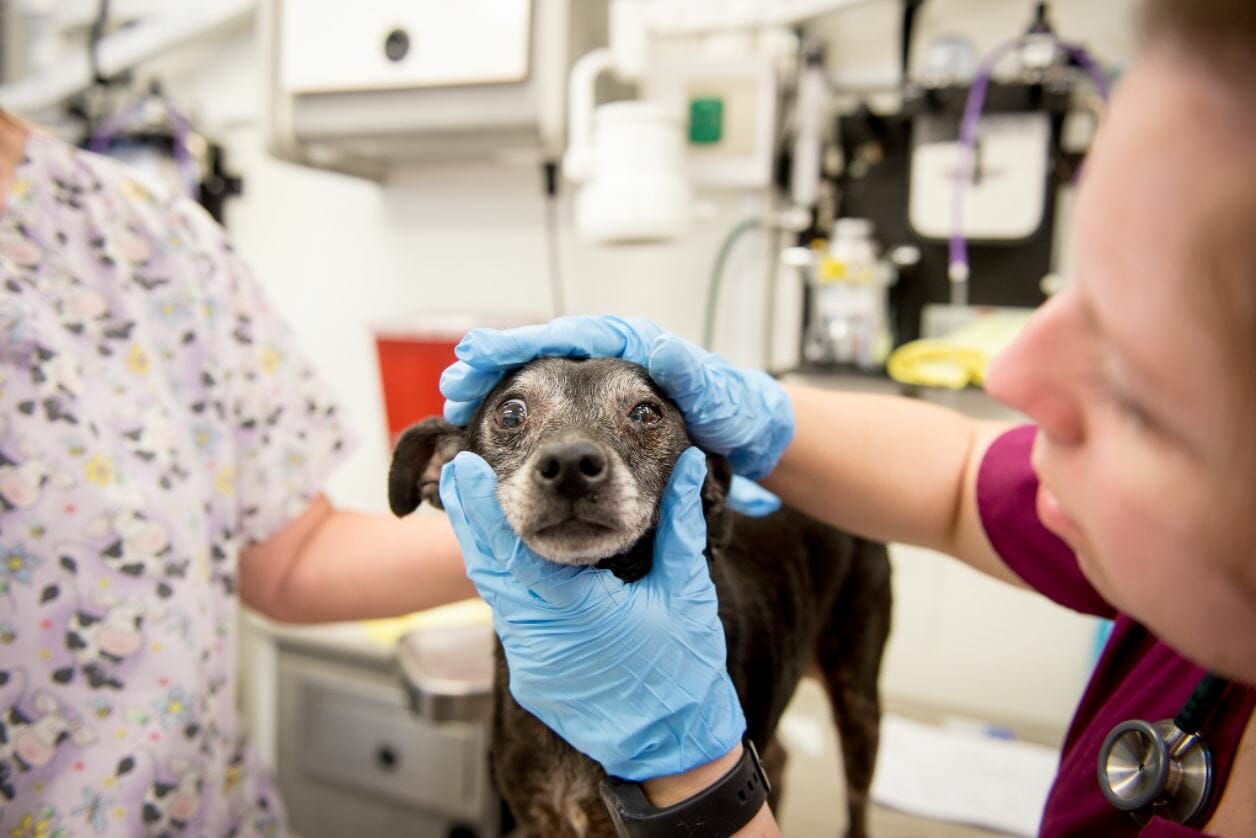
<point>1054,518</point>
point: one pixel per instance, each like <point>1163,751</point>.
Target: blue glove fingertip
<point>459,413</point>
<point>469,349</point>
<point>465,477</point>
<point>462,382</point>
<point>676,366</point>
<point>749,498</point>
<point>685,484</point>
<point>680,540</point>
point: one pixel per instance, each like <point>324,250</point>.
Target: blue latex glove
<point>742,414</point>
<point>635,676</point>
<point>749,498</point>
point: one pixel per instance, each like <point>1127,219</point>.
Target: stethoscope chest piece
<point>1155,770</point>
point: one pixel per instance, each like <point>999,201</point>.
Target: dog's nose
<point>570,467</point>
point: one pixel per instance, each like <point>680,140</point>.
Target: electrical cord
<point>717,276</point>
<point>94,36</point>
<point>959,268</point>
<point>769,297</point>
<point>910,9</point>
<point>550,171</point>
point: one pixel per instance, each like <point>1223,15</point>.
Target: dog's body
<point>583,451</point>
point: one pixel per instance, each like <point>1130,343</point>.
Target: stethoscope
<point>1164,769</point>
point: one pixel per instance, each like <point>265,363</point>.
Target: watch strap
<point>719,810</point>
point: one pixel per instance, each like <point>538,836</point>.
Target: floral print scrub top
<point>155,418</point>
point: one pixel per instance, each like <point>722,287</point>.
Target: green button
<point>706,120</point>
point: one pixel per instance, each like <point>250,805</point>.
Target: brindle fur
<point>794,594</point>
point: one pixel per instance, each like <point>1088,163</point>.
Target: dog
<point>583,450</point>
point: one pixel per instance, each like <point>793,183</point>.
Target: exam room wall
<point>339,255</point>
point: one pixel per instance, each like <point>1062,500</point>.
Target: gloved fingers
<point>761,447</point>
<point>497,560</point>
<point>743,414</point>
<point>681,536</point>
<point>468,492</point>
<point>461,382</point>
<point>565,337</point>
<point>485,354</point>
<point>675,365</point>
<point>749,498</point>
<point>489,545</point>
<point>460,413</point>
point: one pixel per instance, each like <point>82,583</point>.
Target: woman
<point>1130,498</point>
<point>162,441</point>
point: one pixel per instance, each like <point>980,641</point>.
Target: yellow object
<point>835,270</point>
<point>960,357</point>
<point>469,612</point>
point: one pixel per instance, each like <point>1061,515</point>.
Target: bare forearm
<point>888,468</point>
<point>335,565</point>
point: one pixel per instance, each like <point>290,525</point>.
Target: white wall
<point>340,254</point>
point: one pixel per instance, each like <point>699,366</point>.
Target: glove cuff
<point>716,726</point>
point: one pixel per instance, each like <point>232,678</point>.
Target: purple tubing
<point>958,267</point>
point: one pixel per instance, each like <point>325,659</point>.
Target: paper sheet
<point>963,776</point>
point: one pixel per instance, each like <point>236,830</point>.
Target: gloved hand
<point>742,414</point>
<point>632,675</point>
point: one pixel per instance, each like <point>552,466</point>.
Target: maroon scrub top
<point>1137,676</point>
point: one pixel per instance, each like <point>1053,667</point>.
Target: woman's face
<point>1137,378</point>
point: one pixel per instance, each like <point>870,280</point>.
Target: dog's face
<point>582,451</point>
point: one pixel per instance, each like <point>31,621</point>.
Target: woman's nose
<point>1042,372</point>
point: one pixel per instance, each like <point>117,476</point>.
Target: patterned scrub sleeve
<point>288,430</point>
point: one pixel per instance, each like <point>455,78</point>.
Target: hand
<point>635,676</point>
<point>742,414</point>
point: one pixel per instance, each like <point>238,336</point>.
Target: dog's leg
<point>849,656</point>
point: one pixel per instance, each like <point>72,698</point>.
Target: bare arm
<point>330,564</point>
<point>890,468</point>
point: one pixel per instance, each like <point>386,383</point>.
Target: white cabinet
<point>421,81</point>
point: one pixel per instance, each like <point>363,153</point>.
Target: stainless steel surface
<point>448,672</point>
<point>354,760</point>
<point>1134,766</point>
<point>1138,770</point>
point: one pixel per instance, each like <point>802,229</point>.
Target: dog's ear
<point>715,490</point>
<point>423,449</point>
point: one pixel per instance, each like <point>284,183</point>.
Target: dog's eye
<point>511,414</point>
<point>644,414</point>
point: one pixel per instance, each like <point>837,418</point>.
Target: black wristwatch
<point>716,812</point>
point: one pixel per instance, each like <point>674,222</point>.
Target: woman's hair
<point>1221,32</point>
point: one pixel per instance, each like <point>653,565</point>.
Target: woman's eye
<point>1130,410</point>
<point>511,414</point>
<point>644,414</point>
